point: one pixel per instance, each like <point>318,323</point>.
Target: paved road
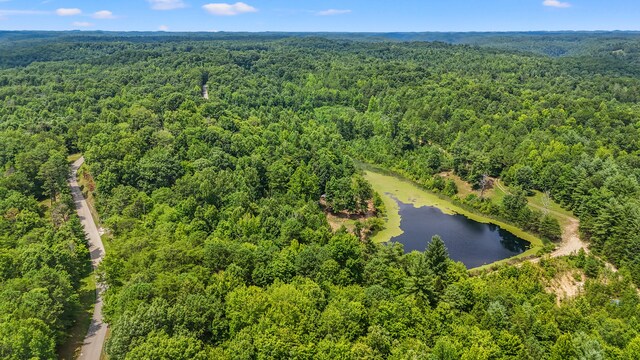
<point>94,341</point>
<point>205,92</point>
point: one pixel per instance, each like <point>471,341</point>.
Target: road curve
<point>94,340</point>
<point>571,243</point>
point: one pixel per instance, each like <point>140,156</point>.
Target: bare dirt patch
<point>566,285</point>
<point>348,220</point>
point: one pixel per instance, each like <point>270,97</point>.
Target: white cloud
<point>4,14</point>
<point>167,4</point>
<point>556,4</point>
<point>330,12</point>
<point>81,24</point>
<point>223,9</point>
<point>22,12</point>
<point>163,28</point>
<point>103,14</point>
<point>68,12</point>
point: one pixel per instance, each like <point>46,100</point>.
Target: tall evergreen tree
<point>420,281</point>
<point>437,256</point>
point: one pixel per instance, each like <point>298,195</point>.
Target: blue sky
<point>317,15</point>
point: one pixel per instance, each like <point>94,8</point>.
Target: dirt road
<point>94,340</point>
<point>571,242</point>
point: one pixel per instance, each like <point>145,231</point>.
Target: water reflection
<point>471,242</point>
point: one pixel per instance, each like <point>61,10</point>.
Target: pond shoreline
<point>473,243</point>
<point>389,185</point>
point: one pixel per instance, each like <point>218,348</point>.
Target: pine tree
<point>437,256</point>
<point>420,282</point>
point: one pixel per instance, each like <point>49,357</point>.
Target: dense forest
<point>218,245</point>
<point>43,254</point>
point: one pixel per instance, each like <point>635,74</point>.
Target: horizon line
<point>321,31</point>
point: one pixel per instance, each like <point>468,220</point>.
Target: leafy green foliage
<point>43,255</point>
<point>218,245</point>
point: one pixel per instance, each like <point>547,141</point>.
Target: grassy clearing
<point>73,157</point>
<point>465,189</point>
<point>537,201</point>
<point>497,193</point>
<point>337,222</point>
<point>71,348</point>
<point>406,191</point>
<point>533,252</point>
<point>564,217</point>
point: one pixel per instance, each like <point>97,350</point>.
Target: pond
<point>471,242</point>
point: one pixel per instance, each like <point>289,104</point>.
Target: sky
<point>320,15</point>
